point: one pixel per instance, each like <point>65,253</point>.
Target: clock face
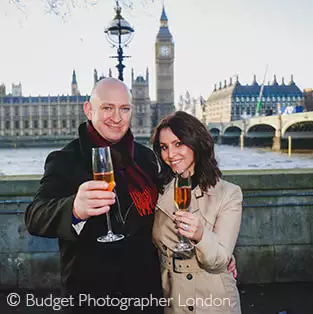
<point>164,51</point>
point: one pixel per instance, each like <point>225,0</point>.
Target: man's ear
<point>88,110</point>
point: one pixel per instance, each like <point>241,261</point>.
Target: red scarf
<point>141,189</point>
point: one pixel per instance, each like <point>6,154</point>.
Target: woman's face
<point>174,153</point>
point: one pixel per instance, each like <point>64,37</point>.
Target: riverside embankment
<point>275,242</point>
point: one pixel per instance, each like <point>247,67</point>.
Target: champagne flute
<point>103,171</point>
<point>182,198</point>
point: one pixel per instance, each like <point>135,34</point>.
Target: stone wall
<point>275,242</point>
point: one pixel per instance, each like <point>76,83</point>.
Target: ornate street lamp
<point>119,33</point>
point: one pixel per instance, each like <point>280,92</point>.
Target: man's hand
<point>232,266</point>
<point>92,199</point>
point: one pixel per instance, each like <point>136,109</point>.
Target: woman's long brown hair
<point>193,134</point>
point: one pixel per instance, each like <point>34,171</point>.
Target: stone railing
<point>275,243</point>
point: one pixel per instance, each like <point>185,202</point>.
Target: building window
<point>54,124</point>
<point>73,123</point>
<point>140,122</point>
<point>54,110</point>
<point>63,123</point>
<point>45,110</point>
<point>35,124</point>
<point>16,111</point>
<point>7,125</point>
<point>25,111</point>
<point>63,110</point>
<point>35,110</point>
<point>7,111</point>
<point>45,124</point>
<point>17,124</point>
<point>26,124</point>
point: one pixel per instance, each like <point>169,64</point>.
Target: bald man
<point>70,206</point>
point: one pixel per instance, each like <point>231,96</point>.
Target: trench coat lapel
<point>166,200</point>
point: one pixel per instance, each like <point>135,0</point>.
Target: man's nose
<point>116,116</point>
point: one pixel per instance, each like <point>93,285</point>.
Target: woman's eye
<point>178,144</point>
<point>163,147</point>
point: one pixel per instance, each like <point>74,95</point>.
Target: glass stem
<point>109,222</point>
<point>182,239</point>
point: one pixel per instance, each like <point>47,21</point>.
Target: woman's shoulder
<point>222,186</point>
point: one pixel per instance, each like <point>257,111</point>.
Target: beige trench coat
<point>200,282</point>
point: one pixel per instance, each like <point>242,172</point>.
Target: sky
<point>214,40</point>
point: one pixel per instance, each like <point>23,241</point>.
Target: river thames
<point>23,161</point>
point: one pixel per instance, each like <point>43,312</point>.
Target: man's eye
<point>107,108</point>
<point>125,109</point>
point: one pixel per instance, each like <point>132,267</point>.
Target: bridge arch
<point>215,131</point>
<point>261,130</point>
<point>299,129</point>
<point>232,131</point>
<point>298,126</point>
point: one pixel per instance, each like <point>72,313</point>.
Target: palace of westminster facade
<point>59,116</point>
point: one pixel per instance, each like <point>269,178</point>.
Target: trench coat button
<point>164,247</point>
<point>189,276</point>
<point>190,308</point>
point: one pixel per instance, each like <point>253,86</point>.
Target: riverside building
<point>233,101</point>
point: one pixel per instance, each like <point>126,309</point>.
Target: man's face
<point>110,110</point>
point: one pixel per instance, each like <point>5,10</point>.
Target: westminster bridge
<point>271,131</point>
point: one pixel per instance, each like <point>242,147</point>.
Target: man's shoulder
<point>142,149</point>
<point>145,156</point>
<point>66,154</point>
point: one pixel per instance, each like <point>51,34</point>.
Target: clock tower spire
<point>164,61</point>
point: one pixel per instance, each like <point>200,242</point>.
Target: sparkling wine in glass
<point>182,198</point>
<point>103,171</point>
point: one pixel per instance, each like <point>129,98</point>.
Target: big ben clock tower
<point>164,59</point>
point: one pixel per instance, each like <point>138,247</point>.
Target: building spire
<point>163,15</point>
<point>74,81</point>
<point>74,85</point>
<point>147,75</point>
<point>95,76</point>
<point>291,80</point>
<point>133,76</point>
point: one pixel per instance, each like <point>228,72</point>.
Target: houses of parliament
<point>50,120</point>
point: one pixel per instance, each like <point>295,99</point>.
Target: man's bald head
<point>112,86</point>
<point>109,109</point>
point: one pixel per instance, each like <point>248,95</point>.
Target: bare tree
<point>64,7</point>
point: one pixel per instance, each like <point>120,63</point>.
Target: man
<point>69,205</point>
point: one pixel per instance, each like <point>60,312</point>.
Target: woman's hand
<point>232,267</point>
<point>189,225</point>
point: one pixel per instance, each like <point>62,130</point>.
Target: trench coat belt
<point>180,265</point>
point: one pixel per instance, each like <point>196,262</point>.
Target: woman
<point>196,282</point>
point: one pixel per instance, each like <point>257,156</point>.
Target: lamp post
<point>119,33</point>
